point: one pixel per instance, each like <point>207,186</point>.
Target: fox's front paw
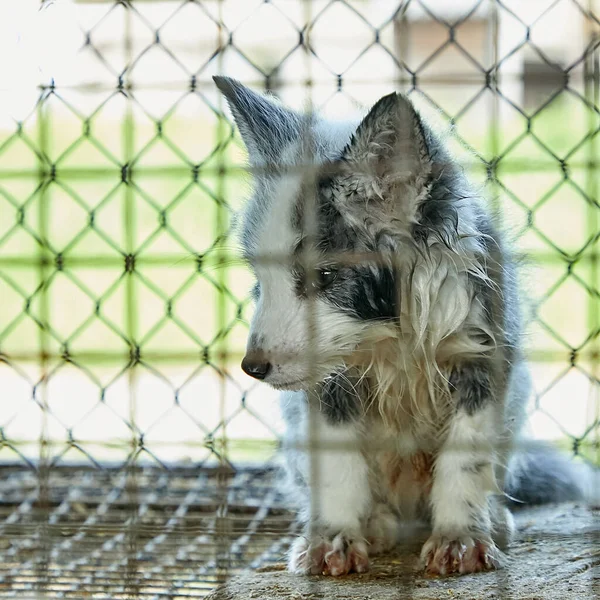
<point>448,555</point>
<point>337,555</point>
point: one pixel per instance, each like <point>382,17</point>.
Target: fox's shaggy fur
<point>387,311</point>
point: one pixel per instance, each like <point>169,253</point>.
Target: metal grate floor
<point>145,533</point>
<point>142,533</point>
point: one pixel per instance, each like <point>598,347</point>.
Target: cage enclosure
<point>137,460</point>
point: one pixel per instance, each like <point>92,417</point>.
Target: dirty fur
<point>387,312</point>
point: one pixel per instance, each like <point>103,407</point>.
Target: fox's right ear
<point>265,125</point>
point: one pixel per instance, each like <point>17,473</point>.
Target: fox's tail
<point>541,474</point>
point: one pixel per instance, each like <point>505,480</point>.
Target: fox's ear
<point>390,141</point>
<point>265,126</point>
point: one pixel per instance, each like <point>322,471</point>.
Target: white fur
<point>342,495</point>
<point>295,334</point>
<point>275,239</point>
<point>333,464</point>
<point>459,490</point>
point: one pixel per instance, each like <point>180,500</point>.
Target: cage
<point>136,458</point>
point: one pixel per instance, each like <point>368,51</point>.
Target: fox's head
<point>335,232</point>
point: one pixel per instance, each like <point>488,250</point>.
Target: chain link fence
<point>135,455</point>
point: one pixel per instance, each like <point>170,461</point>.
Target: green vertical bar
<point>219,354</point>
<point>132,325</point>
<point>44,266</point>
<point>132,307</point>
<point>592,94</point>
<point>494,124</point>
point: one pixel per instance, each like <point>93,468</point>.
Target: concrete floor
<point>556,555</point>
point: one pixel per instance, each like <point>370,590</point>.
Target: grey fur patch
<point>266,126</point>
<point>472,385</point>
<point>541,474</point>
<point>390,138</point>
<point>340,398</point>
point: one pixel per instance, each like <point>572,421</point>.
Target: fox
<point>388,315</point>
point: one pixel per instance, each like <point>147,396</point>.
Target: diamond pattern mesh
<point>126,426</point>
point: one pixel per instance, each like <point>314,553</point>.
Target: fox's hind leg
<point>383,529</point>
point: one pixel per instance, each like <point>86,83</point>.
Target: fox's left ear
<point>265,125</point>
<point>390,143</point>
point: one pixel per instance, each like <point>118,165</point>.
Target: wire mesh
<point>129,438</point>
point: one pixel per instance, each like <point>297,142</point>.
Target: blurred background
<point>123,308</point>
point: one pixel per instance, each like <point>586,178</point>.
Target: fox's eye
<point>325,277</point>
<point>321,279</point>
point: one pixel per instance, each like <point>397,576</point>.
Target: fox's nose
<point>256,365</point>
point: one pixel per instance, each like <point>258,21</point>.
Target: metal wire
<point>97,215</point>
